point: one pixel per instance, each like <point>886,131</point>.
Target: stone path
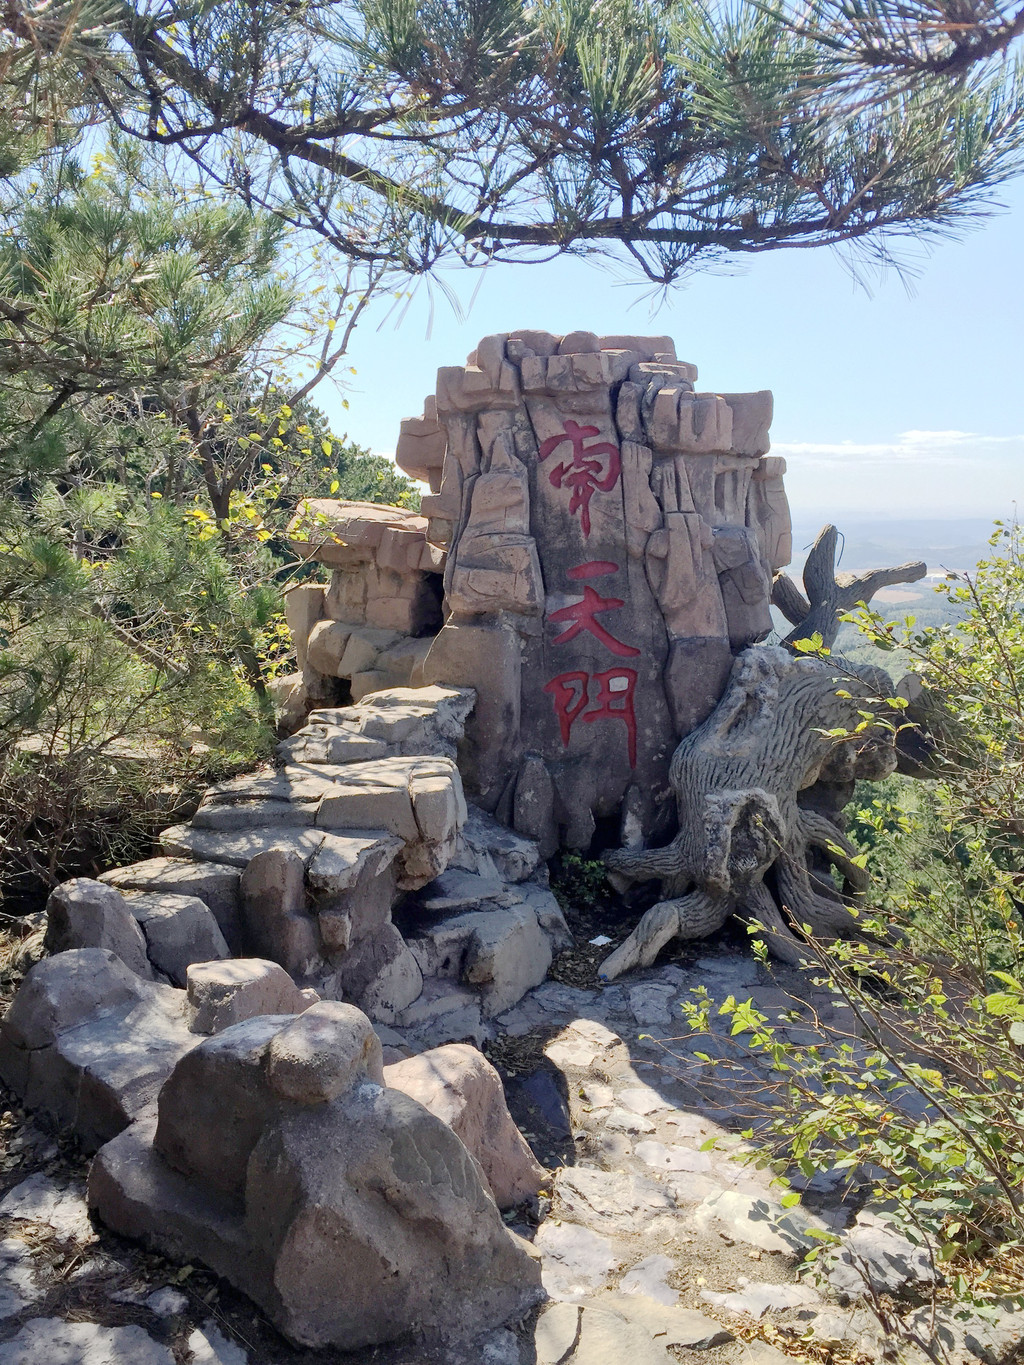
<point>655,1248</point>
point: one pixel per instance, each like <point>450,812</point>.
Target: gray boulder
<point>83,913</point>
<point>349,1213</point>
<point>179,930</point>
<point>216,885</point>
<point>88,1043</point>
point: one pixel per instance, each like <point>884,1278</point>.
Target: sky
<point>904,400</point>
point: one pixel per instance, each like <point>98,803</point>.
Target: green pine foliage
<point>153,445</point>
<point>668,135</point>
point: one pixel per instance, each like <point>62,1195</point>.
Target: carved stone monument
<point>607,538</point>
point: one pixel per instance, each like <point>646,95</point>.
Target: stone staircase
<point>364,817</point>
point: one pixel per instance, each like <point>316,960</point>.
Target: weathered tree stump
<point>746,845</point>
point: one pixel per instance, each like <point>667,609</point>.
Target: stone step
<point>417,799</point>
<point>502,952</point>
<point>296,782</point>
<point>255,815</point>
<point>330,744</point>
<point>334,861</point>
<point>493,850</point>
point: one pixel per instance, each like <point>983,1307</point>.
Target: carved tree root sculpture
<point>736,780</point>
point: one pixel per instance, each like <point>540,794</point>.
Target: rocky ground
<point>655,1246</point>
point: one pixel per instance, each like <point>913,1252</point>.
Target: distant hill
<point>879,542</point>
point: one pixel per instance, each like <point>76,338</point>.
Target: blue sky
<point>895,402</point>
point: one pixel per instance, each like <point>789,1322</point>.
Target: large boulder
<point>347,1211</point>
<point>88,1043</point>
<point>83,913</point>
<point>179,930</point>
<point>458,1085</point>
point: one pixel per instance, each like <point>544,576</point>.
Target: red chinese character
<point>568,702</point>
<point>616,685</point>
<point>594,568</point>
<point>582,473</point>
<point>583,616</point>
<point>614,701</point>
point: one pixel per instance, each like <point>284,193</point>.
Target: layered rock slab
<point>303,864</point>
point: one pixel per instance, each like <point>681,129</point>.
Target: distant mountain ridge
<point>955,543</point>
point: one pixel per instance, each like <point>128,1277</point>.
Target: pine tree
<point>675,133</point>
<point>154,440</point>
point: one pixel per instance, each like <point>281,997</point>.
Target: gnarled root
<point>736,779</point>
<point>819,831</point>
<point>759,907</point>
<point>649,864</point>
<point>824,916</point>
<point>692,916</point>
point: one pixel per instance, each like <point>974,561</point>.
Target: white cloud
<point>913,474</point>
<point>909,447</point>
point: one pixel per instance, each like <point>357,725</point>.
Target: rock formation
<point>88,1042</point>
<point>568,633</point>
<point>305,865</point>
<point>347,1210</point>
<point>598,541</point>
<point>458,1085</point>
